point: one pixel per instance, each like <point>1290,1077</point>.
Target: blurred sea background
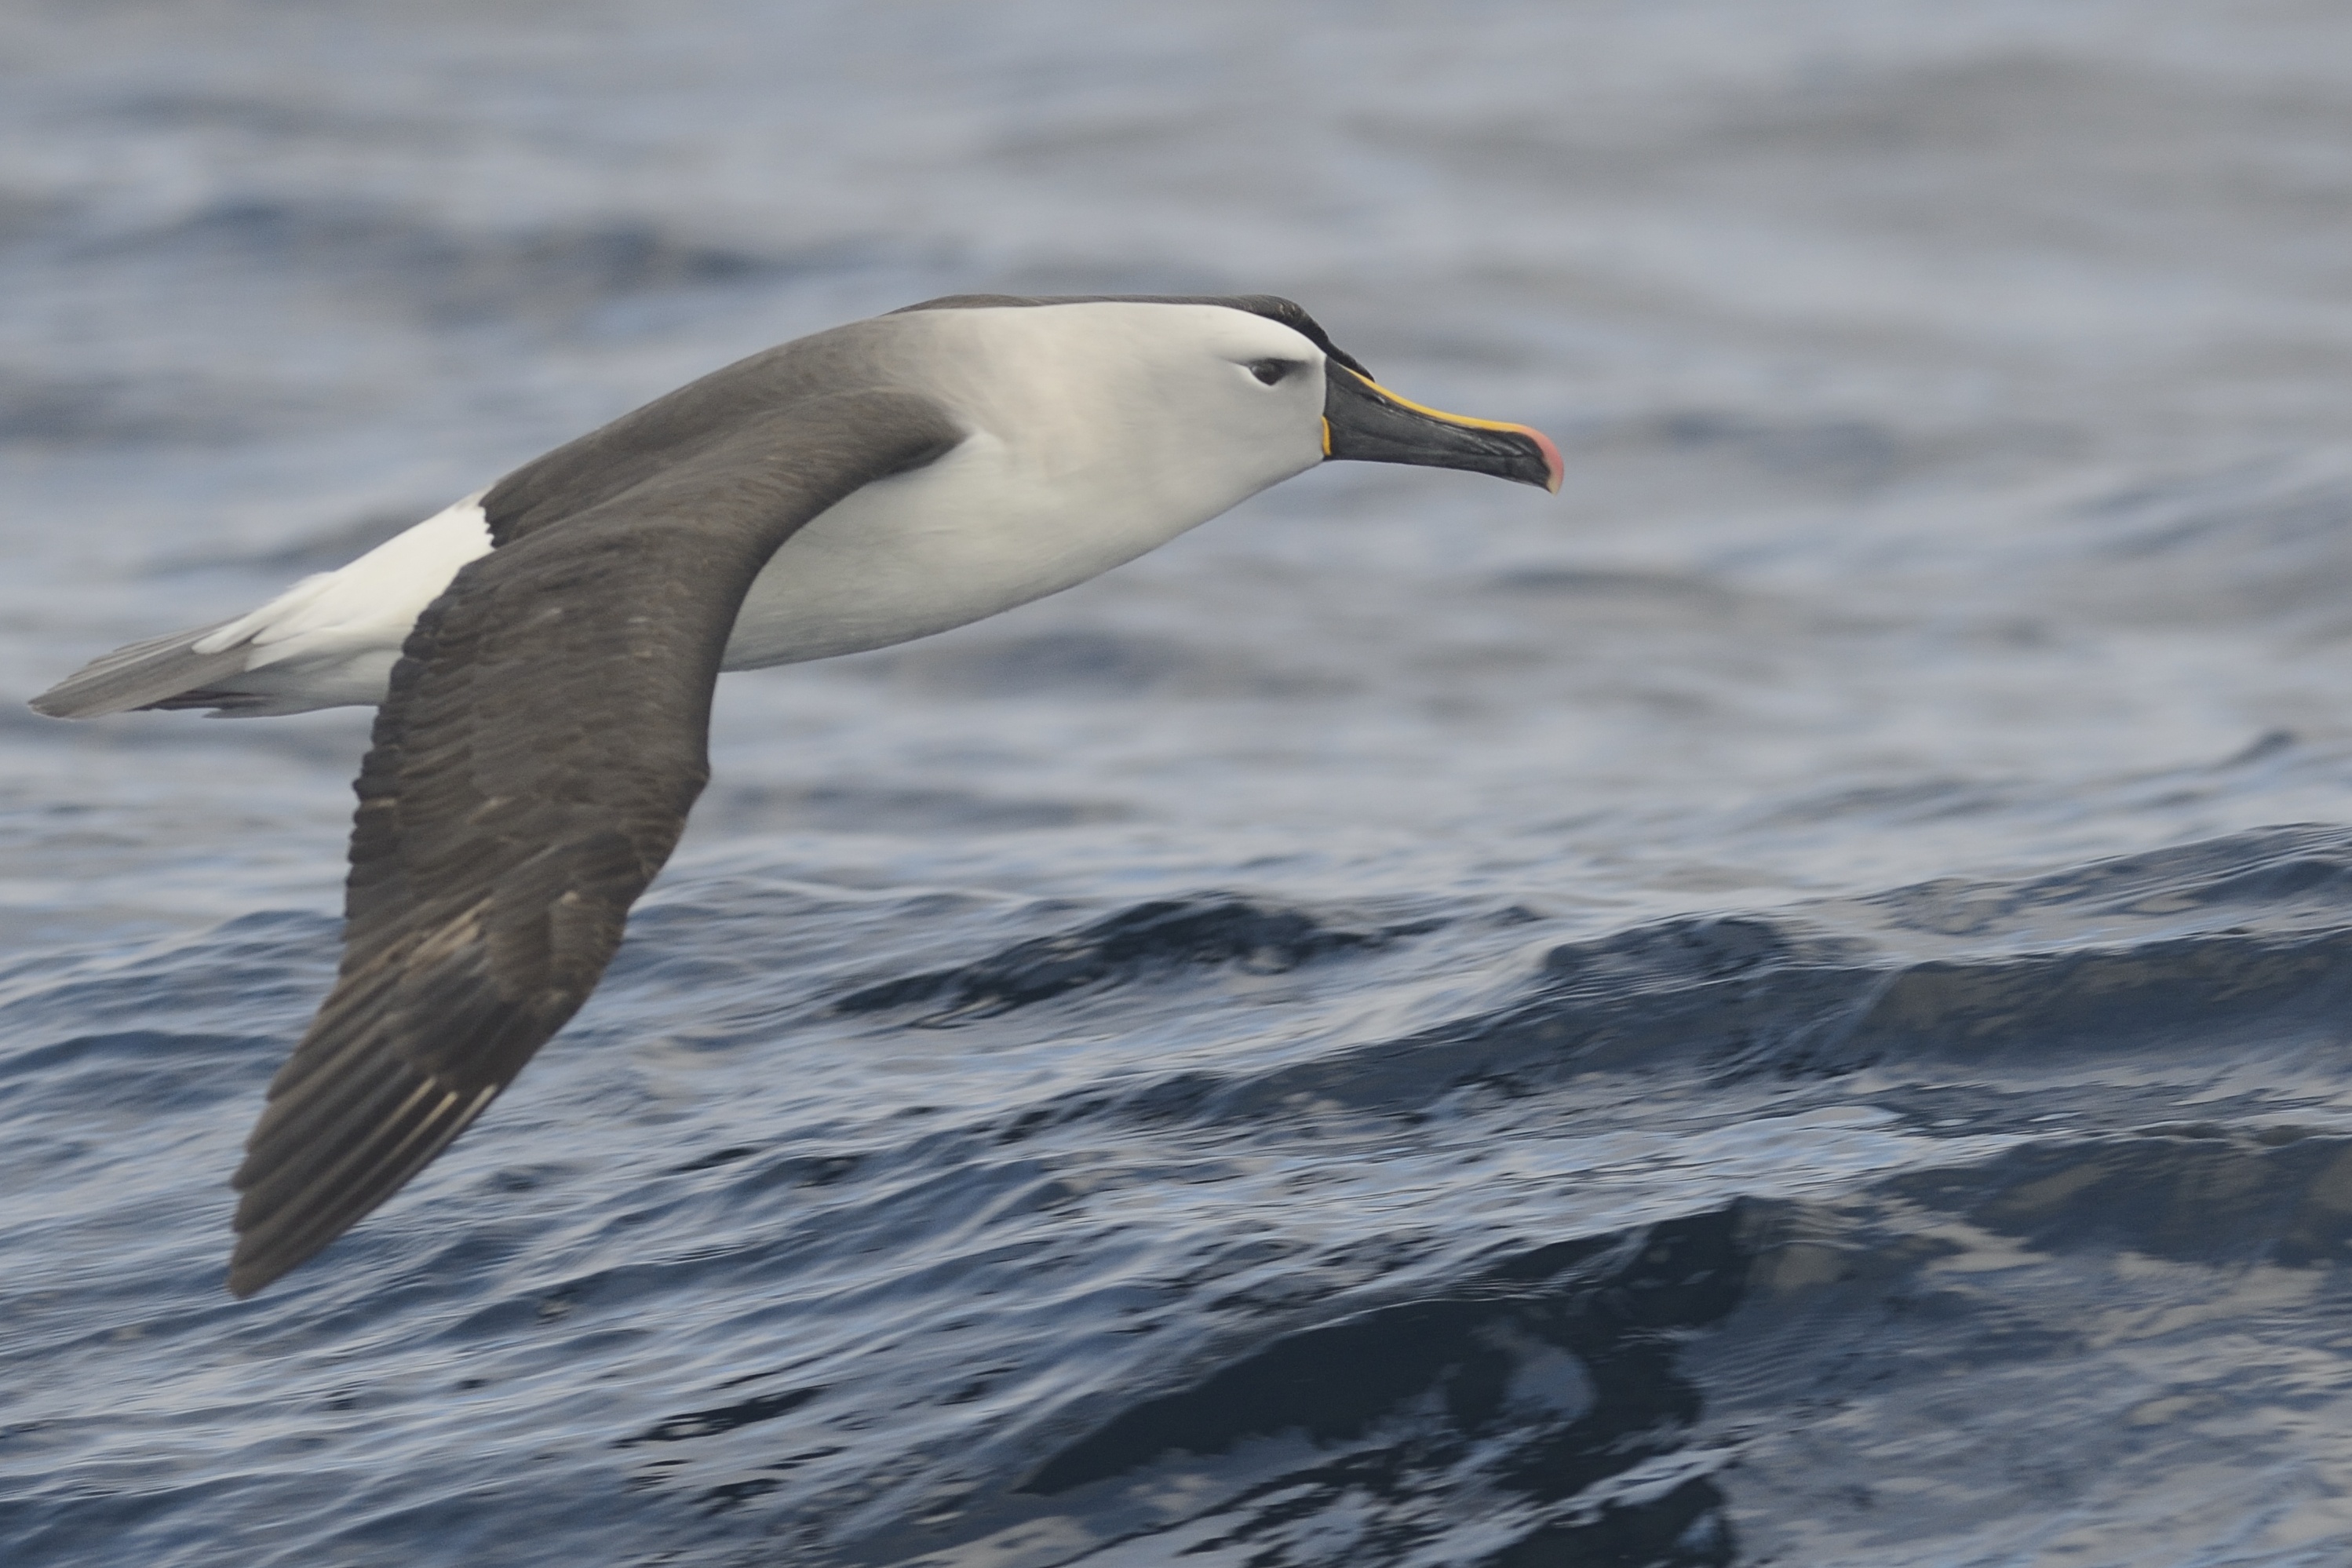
<point>1787,1006</point>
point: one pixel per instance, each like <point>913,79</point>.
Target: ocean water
<point>1788,1006</point>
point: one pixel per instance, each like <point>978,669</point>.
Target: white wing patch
<point>366,605</point>
<point>333,640</point>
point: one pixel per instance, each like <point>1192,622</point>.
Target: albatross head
<point>1221,396</point>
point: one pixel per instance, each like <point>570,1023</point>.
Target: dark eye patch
<point>1270,371</point>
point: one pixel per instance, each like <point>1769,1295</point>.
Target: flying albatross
<point>542,654</point>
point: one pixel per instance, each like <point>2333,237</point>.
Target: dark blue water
<point>1788,1005</point>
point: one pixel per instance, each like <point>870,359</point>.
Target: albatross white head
<point>1216,398</point>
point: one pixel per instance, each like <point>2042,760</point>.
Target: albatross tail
<point>161,672</point>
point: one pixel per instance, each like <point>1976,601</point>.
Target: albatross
<point>542,654</point>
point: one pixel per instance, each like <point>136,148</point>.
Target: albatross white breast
<point>543,651</point>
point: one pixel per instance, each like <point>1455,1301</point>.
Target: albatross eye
<point>1270,371</point>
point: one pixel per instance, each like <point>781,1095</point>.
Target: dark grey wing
<point>532,767</point>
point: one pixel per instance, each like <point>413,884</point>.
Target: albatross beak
<point>1366,421</point>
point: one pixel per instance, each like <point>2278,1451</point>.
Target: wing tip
<point>246,1277</point>
<point>266,1254</point>
<point>292,1213</point>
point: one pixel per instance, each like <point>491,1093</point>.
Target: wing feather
<point>531,770</point>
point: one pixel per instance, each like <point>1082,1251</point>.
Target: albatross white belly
<point>975,533</point>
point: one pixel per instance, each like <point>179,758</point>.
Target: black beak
<point>1366,421</point>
